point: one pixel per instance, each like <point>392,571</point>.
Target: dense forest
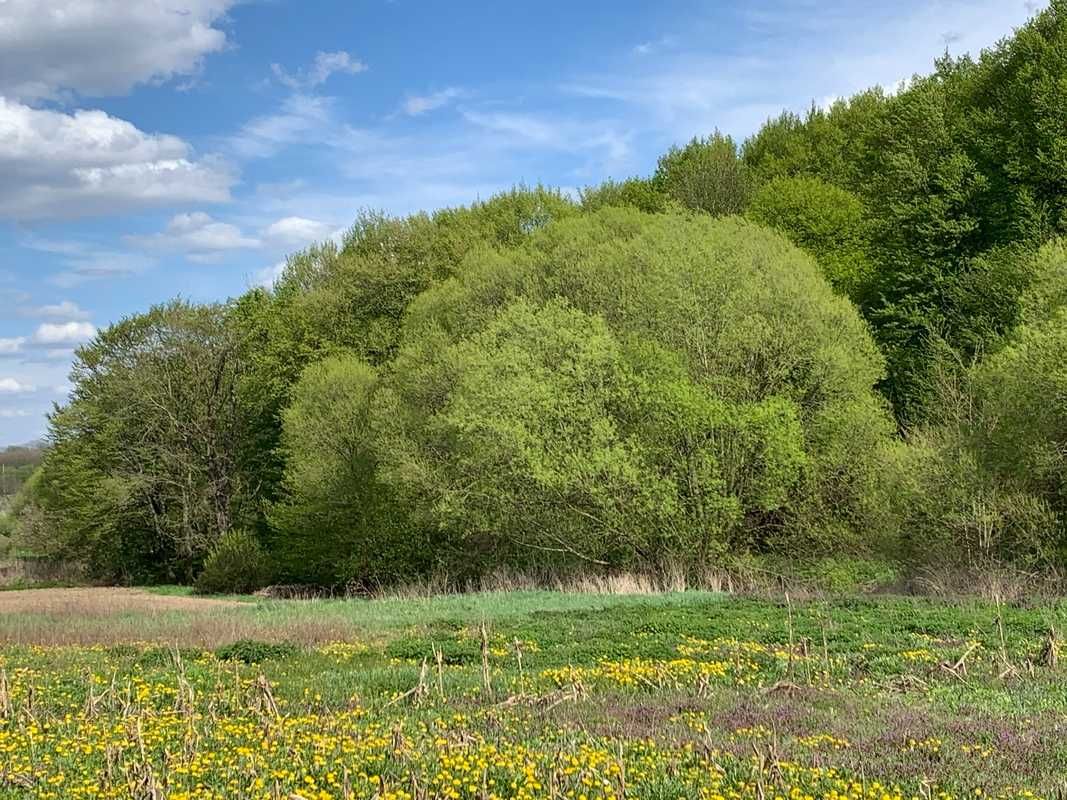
<point>845,335</point>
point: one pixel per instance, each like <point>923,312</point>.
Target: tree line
<point>847,334</point>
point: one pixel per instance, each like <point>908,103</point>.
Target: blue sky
<point>184,147</point>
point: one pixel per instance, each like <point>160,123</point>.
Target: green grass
<point>718,683</point>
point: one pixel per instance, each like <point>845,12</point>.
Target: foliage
<point>251,651</point>
<point>1021,393</point>
<point>237,564</point>
<point>955,170</point>
<point>626,379</point>
<point>1047,290</point>
<point>16,465</point>
<point>639,193</point>
<point>828,222</point>
<point>829,143</point>
<point>337,523</point>
<point>143,472</point>
<point>706,175</point>
<point>350,299</point>
<point>626,387</point>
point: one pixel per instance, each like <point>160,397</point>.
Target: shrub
<point>1021,396</point>
<point>238,564</point>
<point>250,651</point>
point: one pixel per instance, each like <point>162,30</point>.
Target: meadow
<point>125,693</point>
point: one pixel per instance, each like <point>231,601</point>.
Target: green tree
<point>706,175</point>
<point>336,522</point>
<point>143,472</point>
<point>831,143</point>
<point>826,221</point>
<point>1021,394</point>
<point>639,193</point>
<point>633,387</point>
<point>350,299</point>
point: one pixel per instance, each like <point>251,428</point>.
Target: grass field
<point>119,693</point>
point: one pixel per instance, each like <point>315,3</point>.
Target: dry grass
<point>994,582</point>
<point>100,602</point>
<point>747,581</point>
<point>113,616</point>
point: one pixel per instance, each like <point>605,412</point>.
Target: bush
<point>250,651</point>
<point>961,497</point>
<point>634,390</point>
<point>952,512</point>
<point>238,564</point>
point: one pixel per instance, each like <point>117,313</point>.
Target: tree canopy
<point>844,334</point>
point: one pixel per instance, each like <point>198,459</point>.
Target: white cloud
<point>301,116</point>
<point>198,235</point>
<point>65,310</point>
<point>49,342</point>
<point>54,164</point>
<point>415,105</point>
<point>325,65</point>
<point>13,413</point>
<point>673,93</point>
<point>52,334</point>
<point>297,232</point>
<point>14,386</point>
<point>655,46</point>
<point>570,135</point>
<point>103,47</point>
<point>268,276</point>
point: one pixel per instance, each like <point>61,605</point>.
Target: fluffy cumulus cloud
<point>63,310</point>
<point>297,232</point>
<point>268,276</point>
<point>15,386</point>
<point>59,334</point>
<point>198,235</point>
<point>103,47</point>
<point>55,164</point>
<point>56,338</point>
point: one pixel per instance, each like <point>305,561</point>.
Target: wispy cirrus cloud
<point>63,310</point>
<point>320,70</point>
<point>301,117</point>
<point>418,104</point>
<point>679,88</point>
